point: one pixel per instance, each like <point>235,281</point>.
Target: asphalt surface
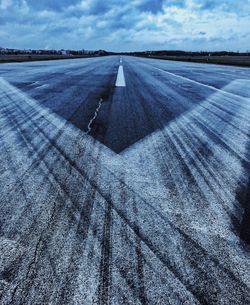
<point>124,188</point>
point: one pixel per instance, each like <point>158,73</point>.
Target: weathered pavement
<point>145,205</point>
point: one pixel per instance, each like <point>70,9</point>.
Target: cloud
<point>153,6</point>
<point>50,5</point>
<point>4,4</point>
<point>125,25</point>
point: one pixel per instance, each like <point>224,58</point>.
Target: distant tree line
<point>184,53</point>
<point>8,51</point>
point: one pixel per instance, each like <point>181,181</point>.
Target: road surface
<point>124,180</point>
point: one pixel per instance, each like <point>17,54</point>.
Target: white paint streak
<point>42,86</point>
<point>198,83</point>
<point>54,119</point>
<point>120,81</point>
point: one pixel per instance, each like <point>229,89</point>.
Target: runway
<point>124,180</point>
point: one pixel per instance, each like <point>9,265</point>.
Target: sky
<point>126,25</point>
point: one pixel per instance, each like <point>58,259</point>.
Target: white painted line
<point>120,81</point>
<point>42,86</point>
<point>198,83</point>
<point>120,60</point>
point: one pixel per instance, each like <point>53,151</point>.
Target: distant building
<point>65,52</point>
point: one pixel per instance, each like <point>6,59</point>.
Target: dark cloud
<point>54,5</point>
<point>152,6</point>
<point>225,5</point>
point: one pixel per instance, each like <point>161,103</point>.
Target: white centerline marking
<point>120,80</point>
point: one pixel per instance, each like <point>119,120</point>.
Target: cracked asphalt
<point>142,198</point>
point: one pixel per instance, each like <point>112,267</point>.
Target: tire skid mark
<point>139,264</point>
<point>21,183</point>
<point>207,179</point>
<point>105,280</point>
<point>140,272</point>
<point>204,168</point>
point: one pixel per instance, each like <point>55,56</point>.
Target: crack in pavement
<point>95,115</point>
